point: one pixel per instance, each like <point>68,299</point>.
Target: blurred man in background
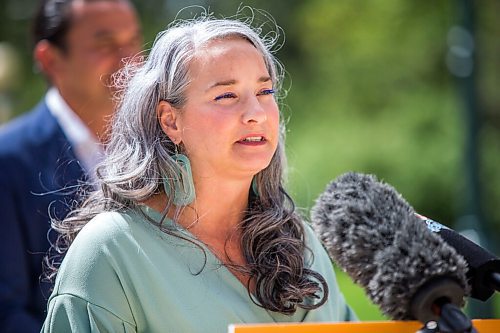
<point>77,45</point>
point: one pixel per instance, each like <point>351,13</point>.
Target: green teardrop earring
<point>255,190</point>
<point>183,192</point>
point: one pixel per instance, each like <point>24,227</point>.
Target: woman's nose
<point>254,111</point>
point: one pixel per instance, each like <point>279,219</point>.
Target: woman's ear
<point>167,116</point>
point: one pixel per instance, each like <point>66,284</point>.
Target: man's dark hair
<point>52,21</point>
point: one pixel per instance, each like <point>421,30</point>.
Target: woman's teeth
<point>253,139</point>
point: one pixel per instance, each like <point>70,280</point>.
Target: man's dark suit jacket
<point>38,174</point>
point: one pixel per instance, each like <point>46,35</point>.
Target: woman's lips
<point>253,140</point>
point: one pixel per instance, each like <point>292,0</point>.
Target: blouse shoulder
<point>103,228</point>
<point>94,265</point>
<point>69,313</point>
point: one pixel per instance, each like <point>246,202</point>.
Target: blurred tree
<point>487,30</point>
<point>373,87</point>
<point>378,74</point>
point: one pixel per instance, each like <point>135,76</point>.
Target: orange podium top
<point>481,325</point>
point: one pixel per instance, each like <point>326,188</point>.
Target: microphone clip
<point>451,320</point>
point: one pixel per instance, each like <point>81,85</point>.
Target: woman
<point>191,229</point>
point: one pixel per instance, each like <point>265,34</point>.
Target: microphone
<point>484,268</point>
<point>374,235</point>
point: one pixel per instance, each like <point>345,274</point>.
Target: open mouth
<point>253,139</point>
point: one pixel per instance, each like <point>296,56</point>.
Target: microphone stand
<point>451,320</point>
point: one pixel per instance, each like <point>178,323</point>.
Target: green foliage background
<point>368,91</point>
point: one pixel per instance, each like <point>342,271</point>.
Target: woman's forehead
<point>223,55</point>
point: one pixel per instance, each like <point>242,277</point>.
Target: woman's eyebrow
<point>222,83</point>
<point>264,79</point>
<point>231,82</point>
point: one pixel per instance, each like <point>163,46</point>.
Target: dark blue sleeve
<point>38,177</point>
<point>16,289</point>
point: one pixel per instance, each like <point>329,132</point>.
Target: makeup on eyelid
<point>233,95</point>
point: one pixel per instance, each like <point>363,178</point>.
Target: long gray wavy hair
<point>139,155</point>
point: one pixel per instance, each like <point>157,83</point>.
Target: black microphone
<point>374,235</point>
<point>484,268</point>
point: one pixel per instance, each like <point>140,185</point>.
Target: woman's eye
<point>225,95</point>
<point>266,92</point>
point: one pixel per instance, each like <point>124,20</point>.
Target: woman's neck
<point>214,219</point>
<point>217,211</point>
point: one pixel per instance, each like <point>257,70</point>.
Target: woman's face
<point>230,123</point>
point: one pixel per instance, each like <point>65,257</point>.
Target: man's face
<point>100,36</point>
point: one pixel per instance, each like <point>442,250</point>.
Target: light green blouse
<point>122,274</point>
